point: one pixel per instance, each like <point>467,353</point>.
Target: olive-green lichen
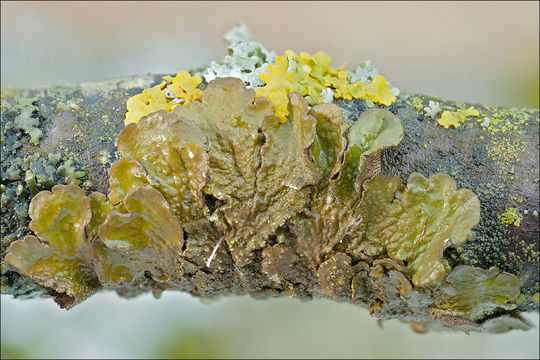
<point>475,293</point>
<point>415,223</point>
<point>59,256</point>
<point>148,238</point>
<point>231,148</point>
<point>333,213</point>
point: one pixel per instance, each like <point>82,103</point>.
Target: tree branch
<point>67,135</point>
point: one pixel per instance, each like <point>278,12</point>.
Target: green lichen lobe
<point>27,119</point>
<point>476,293</point>
<point>414,223</point>
<point>148,238</point>
<point>59,257</point>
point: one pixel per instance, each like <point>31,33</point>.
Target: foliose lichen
<point>246,60</point>
<point>59,257</point>
<point>456,118</point>
<point>225,168</point>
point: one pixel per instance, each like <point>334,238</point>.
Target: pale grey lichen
<point>433,109</point>
<point>327,95</point>
<point>364,72</point>
<point>246,60</point>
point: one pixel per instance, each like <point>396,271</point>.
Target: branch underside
<point>67,135</point>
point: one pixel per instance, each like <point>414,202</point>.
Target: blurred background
<point>484,52</point>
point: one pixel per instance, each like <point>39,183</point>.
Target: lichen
<point>475,292</point>
<point>433,109</point>
<point>26,120</point>
<point>183,88</point>
<point>218,144</point>
<point>510,216</point>
<point>148,238</point>
<point>173,91</point>
<point>313,77</point>
<point>335,275</point>
<point>417,222</point>
<point>59,257</point>
<point>456,118</point>
<point>333,213</point>
<point>222,196</point>
<point>246,60</point>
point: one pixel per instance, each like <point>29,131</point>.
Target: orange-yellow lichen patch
<point>456,118</point>
<point>173,91</point>
<point>310,76</point>
<point>279,82</point>
<point>184,86</point>
<point>379,92</point>
<point>149,101</point>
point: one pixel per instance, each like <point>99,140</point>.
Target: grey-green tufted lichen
<point>26,120</point>
<point>219,197</point>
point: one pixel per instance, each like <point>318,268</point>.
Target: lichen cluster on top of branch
<point>231,186</point>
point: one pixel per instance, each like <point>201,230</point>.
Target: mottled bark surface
<point>496,159</point>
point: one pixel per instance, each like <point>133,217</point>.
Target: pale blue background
<point>480,52</point>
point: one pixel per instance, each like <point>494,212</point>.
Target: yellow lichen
<point>310,76</point>
<point>184,86</point>
<point>183,89</point>
<point>279,82</point>
<point>149,101</point>
<point>378,91</point>
<point>303,73</point>
<point>456,118</point>
<point>506,153</point>
<point>511,215</point>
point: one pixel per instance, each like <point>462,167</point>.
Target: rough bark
<point>80,123</point>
